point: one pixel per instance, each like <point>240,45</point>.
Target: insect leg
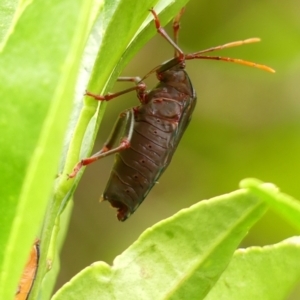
<point>163,33</point>
<point>136,79</point>
<point>124,125</point>
<point>176,28</point>
<point>140,88</point>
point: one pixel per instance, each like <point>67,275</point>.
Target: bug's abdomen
<point>137,168</point>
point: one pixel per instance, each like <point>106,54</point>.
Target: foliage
<point>49,51</point>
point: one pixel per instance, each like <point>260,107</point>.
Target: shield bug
<point>151,132</point>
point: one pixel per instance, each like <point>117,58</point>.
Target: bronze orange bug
<point>29,273</point>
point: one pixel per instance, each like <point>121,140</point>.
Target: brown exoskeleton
<point>153,129</point>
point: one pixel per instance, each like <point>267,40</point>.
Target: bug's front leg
<point>140,88</point>
<point>124,128</point>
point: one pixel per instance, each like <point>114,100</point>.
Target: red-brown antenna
<point>198,55</point>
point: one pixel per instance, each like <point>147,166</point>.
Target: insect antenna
<point>151,72</point>
<point>198,55</point>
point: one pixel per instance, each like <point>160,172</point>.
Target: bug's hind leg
<point>124,128</point>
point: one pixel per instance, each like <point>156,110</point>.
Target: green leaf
<point>283,204</point>
<point>8,16</point>
<point>267,273</point>
<point>39,66</point>
<point>132,26</point>
<point>179,258</point>
<point>51,277</point>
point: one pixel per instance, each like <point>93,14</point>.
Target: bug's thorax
<point>174,82</point>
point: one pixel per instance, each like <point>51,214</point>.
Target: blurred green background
<point>246,124</point>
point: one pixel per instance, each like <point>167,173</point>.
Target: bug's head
<point>171,71</point>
